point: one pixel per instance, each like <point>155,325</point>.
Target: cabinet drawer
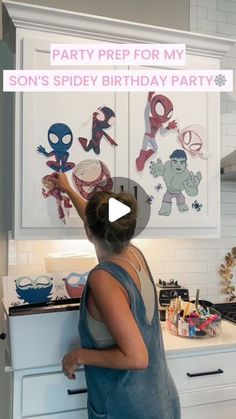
<point>213,410</point>
<point>185,370</point>
<point>51,393</point>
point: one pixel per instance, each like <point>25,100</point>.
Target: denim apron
<point>130,394</point>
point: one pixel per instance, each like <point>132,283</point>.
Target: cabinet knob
<point>3,336</point>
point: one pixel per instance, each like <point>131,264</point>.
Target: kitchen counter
<point>176,344</point>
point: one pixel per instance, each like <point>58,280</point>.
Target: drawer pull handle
<point>136,192</point>
<point>78,391</point>
<point>219,371</point>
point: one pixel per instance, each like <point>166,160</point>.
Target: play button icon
<point>116,210</point>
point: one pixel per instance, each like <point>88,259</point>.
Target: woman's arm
<point>78,202</point>
<point>131,351</point>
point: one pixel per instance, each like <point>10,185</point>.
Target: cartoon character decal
<point>158,111</point>
<point>50,189</point>
<point>103,118</point>
<point>196,206</point>
<point>34,290</point>
<point>149,199</point>
<point>75,283</point>
<point>177,178</point>
<point>90,176</point>
<point>192,139</point>
<point>60,138</point>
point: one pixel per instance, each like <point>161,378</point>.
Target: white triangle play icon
<point>116,209</point>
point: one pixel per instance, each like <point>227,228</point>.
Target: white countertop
<point>226,341</point>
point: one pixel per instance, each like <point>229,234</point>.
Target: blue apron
<point>130,394</point>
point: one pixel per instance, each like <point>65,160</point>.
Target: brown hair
<point>116,235</point>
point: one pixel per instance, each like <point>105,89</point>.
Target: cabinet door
<point>45,118</point>
<point>183,182</point>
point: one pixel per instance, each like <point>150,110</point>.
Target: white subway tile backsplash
<point>174,266</point>
<point>201,12</point>
<point>22,258</point>
<point>207,278</point>
<point>210,4</point>
<point>150,244</point>
<point>232,129</point>
<point>161,255</point>
<point>226,6</point>
<point>196,266</point>
<point>217,15</point>
<point>36,258</point>
<point>229,140</point>
<point>205,25</point>
<point>224,129</point>
<point>227,29</point>
<point>228,118</point>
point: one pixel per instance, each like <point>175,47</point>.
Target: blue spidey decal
<point>34,290</point>
<point>60,138</point>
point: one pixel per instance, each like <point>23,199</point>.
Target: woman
<point>122,348</point>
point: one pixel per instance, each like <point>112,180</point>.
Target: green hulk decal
<point>177,178</point>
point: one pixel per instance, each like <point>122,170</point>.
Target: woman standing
<point>122,348</point>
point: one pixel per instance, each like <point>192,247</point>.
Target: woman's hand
<point>70,364</point>
<point>62,182</point>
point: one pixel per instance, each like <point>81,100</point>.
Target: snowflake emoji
<point>220,80</point>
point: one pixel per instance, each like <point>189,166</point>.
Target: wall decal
<point>149,199</point>
<point>196,206</point>
<point>177,178</point>
<point>60,138</point>
<point>36,290</point>
<point>192,140</point>
<point>62,200</point>
<point>90,176</point>
<point>103,118</point>
<point>158,187</point>
<point>75,283</point>
<point>158,110</point>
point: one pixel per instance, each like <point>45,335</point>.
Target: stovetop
<point>227,310</point>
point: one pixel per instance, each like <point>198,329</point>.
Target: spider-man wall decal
<point>158,110</point>
<point>60,138</point>
<point>91,176</point>
<point>192,140</point>
<point>103,118</point>
<point>62,200</point>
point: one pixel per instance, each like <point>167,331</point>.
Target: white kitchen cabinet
<point>74,110</point>
<point>46,392</point>
<point>35,113</point>
<point>204,370</point>
<point>206,382</point>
